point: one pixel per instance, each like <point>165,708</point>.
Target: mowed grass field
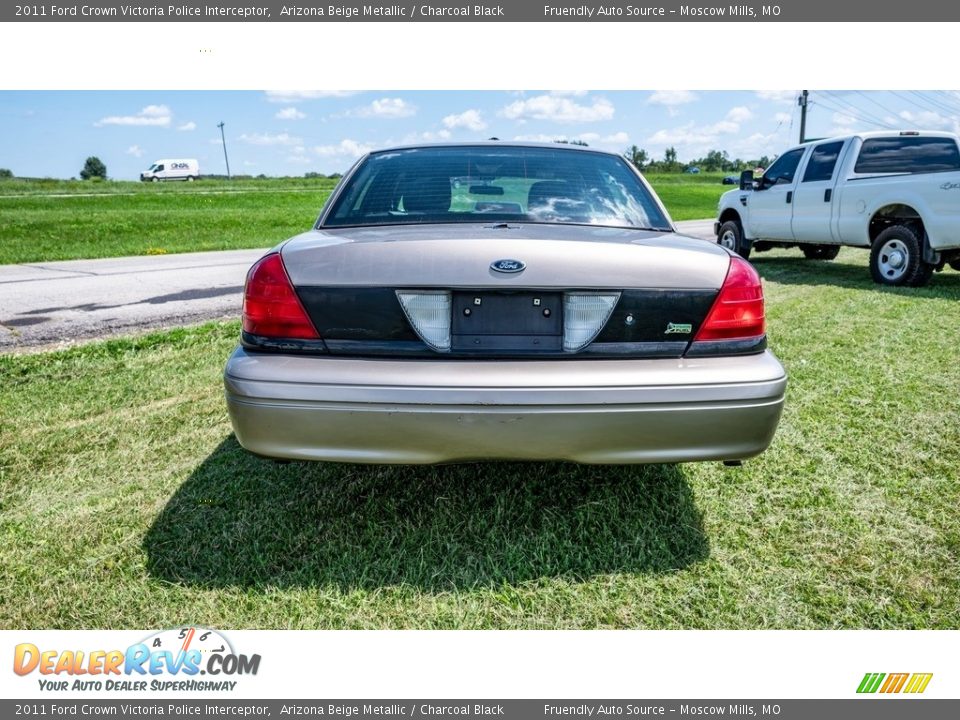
<point>64,220</point>
<point>126,502</point>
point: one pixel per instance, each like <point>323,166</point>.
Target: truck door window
<point>785,167</point>
<point>822,162</point>
<point>902,155</point>
<point>159,168</point>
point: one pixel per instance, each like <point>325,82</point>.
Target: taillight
<point>271,308</point>
<point>737,313</point>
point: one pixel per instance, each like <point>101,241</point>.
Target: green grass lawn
<point>125,501</point>
<point>64,220</point>
<point>155,218</point>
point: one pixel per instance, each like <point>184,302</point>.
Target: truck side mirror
<point>746,180</point>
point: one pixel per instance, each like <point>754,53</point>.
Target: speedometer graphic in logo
<point>184,639</point>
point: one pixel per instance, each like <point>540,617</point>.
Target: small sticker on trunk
<point>678,329</point>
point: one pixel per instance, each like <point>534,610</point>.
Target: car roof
<point>495,144</point>
<point>872,134</point>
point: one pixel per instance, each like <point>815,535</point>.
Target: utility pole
<point>223,139</point>
<point>802,102</point>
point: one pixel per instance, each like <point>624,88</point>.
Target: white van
<point>175,169</point>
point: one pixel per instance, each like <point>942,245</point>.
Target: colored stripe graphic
<point>894,682</point>
<point>870,683</point>
<point>918,682</point>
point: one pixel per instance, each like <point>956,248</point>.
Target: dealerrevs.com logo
<point>891,683</point>
<point>181,659</point>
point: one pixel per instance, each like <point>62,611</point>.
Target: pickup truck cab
<point>894,193</point>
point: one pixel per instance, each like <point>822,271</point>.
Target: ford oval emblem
<point>507,266</point>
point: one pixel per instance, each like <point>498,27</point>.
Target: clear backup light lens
<point>429,313</point>
<point>584,315</point>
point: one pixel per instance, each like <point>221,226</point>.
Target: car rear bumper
<point>432,411</point>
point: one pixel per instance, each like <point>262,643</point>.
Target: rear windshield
<point>908,155</point>
<point>508,184</point>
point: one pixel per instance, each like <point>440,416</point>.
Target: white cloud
<point>386,108</point>
<point>569,93</point>
<point>155,111</point>
<point>291,96</point>
<point>694,135</point>
<point>740,114</point>
<point>299,159</point>
<point>425,136</point>
<point>248,163</point>
<point>612,141</point>
<point>135,150</point>
<point>346,148</point>
<point>784,97</point>
<point>268,139</point>
<point>928,120</point>
<point>843,120</point>
<point>151,115</point>
<point>469,119</point>
<point>671,98</point>
<point>759,144</point>
<point>191,125</point>
<point>289,113</point>
<point>558,109</point>
<point>782,117</point>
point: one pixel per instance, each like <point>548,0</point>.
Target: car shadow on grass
<point>800,271</point>
<point>241,521</point>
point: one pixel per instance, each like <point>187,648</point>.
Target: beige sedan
<point>501,301</point>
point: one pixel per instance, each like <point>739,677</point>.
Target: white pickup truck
<point>897,194</point>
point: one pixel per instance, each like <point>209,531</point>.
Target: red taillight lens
<point>737,313</point>
<point>271,308</point>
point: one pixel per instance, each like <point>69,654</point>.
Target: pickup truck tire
<point>896,258</point>
<point>731,237</point>
<point>820,252</point>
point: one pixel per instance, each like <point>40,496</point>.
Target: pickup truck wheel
<point>820,252</point>
<point>731,237</point>
<point>896,258</point>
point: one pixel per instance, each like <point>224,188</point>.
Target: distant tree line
<point>713,161</point>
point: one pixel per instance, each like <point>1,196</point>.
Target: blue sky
<point>49,134</point>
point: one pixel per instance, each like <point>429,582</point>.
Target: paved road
<point>57,303</point>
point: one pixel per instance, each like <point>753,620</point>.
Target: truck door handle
<point>827,194</point>
<point>789,196</point>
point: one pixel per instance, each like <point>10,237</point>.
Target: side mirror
<point>746,180</point>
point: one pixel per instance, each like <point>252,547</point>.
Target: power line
<point>937,107</point>
<point>910,100</point>
<point>951,99</point>
<point>857,112</point>
<point>884,108</point>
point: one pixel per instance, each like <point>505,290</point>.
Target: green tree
<point>5,174</point>
<point>670,163</point>
<point>93,168</point>
<point>637,156</point>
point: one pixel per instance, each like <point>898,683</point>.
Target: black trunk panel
<point>371,321</point>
